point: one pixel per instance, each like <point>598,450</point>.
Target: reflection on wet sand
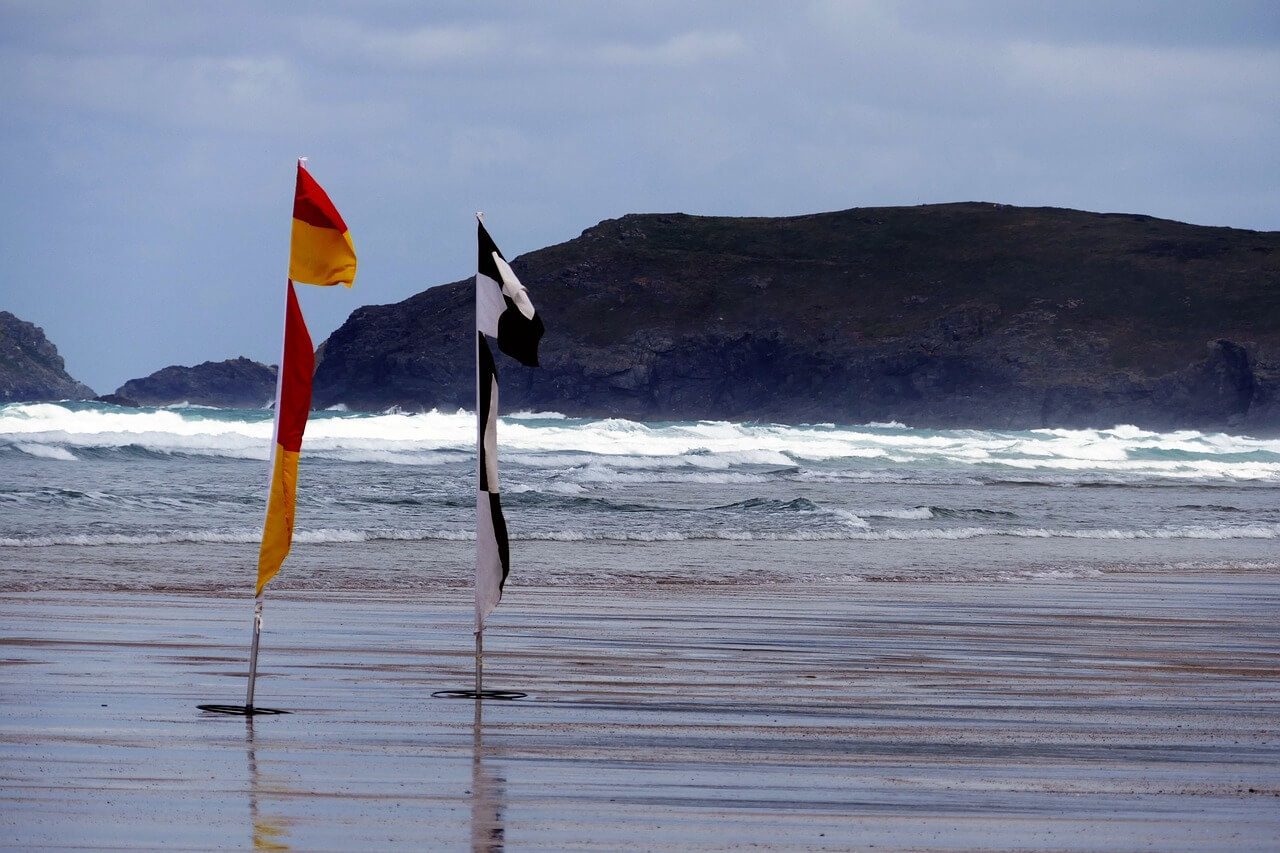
<point>488,793</point>
<point>1121,712</point>
<point>267,832</point>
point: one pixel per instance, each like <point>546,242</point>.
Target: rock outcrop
<point>236,383</point>
<point>30,367</point>
<point>941,315</point>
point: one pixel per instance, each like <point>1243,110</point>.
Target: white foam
<point>1256,531</point>
<point>919,513</point>
<point>389,457</point>
<point>604,474</point>
<point>46,451</point>
<point>1049,574</point>
<point>231,537</point>
<point>535,416</point>
<point>848,517</point>
<point>568,489</point>
<point>848,533</point>
<point>544,439</point>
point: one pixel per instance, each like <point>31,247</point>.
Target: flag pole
<point>253,652</point>
<point>479,663</point>
<point>260,598</point>
<point>248,709</point>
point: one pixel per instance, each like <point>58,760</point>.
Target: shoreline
<point>439,570</point>
<point>1121,712</point>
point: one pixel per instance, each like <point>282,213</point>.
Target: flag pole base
<point>242,710</point>
<point>504,695</point>
<point>479,692</point>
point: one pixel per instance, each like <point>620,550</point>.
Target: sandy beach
<point>1120,713</point>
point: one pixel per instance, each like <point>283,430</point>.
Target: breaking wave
<point>615,450</point>
<point>342,535</point>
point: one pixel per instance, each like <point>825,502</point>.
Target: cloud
<point>1147,76</point>
<point>351,43</point>
<point>149,154</point>
<point>679,51</point>
<point>211,93</point>
<point>1135,23</point>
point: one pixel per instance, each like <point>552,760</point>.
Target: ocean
<point>96,497</point>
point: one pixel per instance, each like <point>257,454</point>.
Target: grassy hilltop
<point>968,314</point>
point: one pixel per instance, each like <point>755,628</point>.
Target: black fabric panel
<point>487,248</point>
<point>518,335</point>
<point>500,534</point>
<point>487,375</point>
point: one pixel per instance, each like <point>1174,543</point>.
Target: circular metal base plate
<point>241,710</point>
<point>506,695</point>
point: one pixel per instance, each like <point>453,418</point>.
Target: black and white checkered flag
<point>503,312</point>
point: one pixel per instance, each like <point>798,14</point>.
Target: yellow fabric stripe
<point>321,255</point>
<point>277,533</point>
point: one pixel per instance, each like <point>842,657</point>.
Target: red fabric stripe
<point>311,204</point>
<point>296,371</point>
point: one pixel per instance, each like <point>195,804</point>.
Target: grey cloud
<point>147,150</point>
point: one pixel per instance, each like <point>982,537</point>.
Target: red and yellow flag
<point>321,253</point>
<point>293,402</point>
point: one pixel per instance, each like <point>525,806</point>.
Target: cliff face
<point>30,367</point>
<point>234,383</point>
<point>947,315</point>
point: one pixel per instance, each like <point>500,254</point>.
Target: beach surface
<point>1122,712</point>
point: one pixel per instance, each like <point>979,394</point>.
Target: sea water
<point>94,496</point>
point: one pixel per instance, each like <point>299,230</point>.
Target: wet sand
<point>1119,713</point>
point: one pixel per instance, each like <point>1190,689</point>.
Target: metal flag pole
<point>479,666</point>
<point>248,708</point>
<point>479,461</point>
<point>479,663</point>
<point>260,598</point>
<point>253,653</point>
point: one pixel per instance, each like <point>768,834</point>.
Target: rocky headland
<point>237,383</point>
<point>30,367</point>
<point>954,315</point>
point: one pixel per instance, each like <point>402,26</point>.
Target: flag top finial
<point>302,162</point>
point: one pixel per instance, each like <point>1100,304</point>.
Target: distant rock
<point>950,315</point>
<point>30,367</point>
<point>237,383</point>
<point>117,400</point>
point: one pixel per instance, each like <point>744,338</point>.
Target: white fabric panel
<point>488,561</point>
<point>513,289</point>
<point>489,305</point>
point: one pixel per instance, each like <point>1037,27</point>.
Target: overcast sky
<point>147,149</point>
